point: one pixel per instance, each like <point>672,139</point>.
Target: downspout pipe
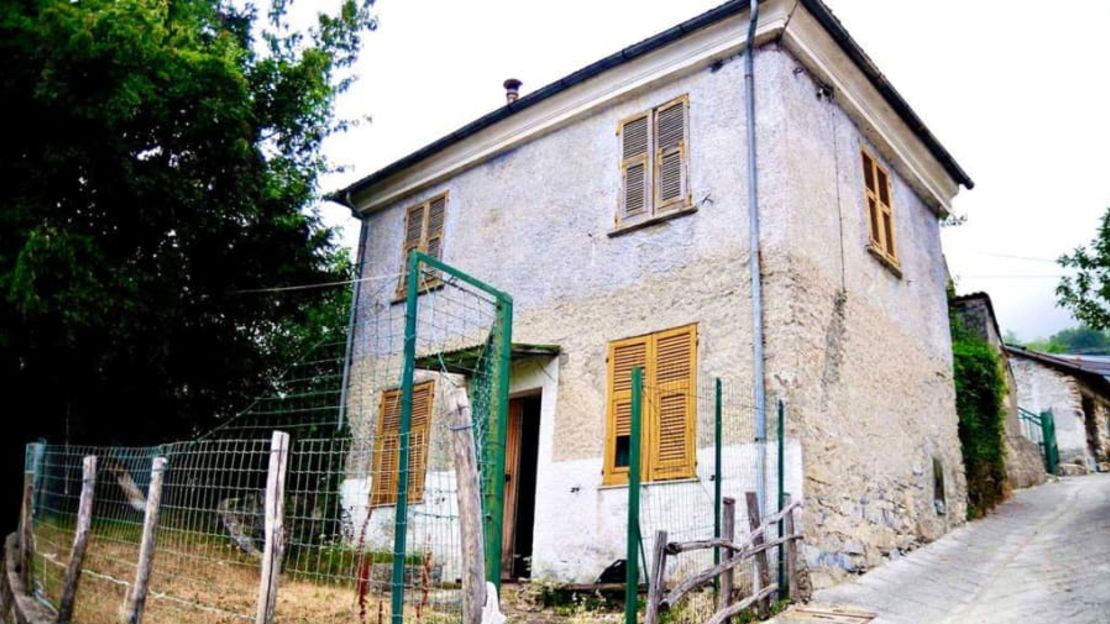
<point>352,318</point>
<point>754,262</point>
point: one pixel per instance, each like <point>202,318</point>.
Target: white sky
<point>1017,91</point>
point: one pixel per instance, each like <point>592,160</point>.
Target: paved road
<point>1042,557</point>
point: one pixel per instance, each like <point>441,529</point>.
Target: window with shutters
<point>423,232</point>
<point>669,406</point>
<point>387,445</point>
<point>654,161</point>
<point>880,215</point>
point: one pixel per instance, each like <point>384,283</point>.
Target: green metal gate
<point>1041,428</point>
<point>487,365</point>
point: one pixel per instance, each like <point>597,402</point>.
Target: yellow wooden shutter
<point>413,238</point>
<point>383,489</point>
<point>387,445</point>
<point>880,215</point>
<point>670,155</point>
<point>635,168</point>
<point>673,404</point>
<point>624,355</point>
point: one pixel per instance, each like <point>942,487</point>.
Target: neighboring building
<point>1077,391</point>
<point>1024,462</point>
<point>612,205</point>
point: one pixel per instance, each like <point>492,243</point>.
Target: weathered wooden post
<point>274,527</point>
<point>790,553</point>
<point>80,541</point>
<point>27,530</point>
<point>761,574</point>
<point>136,598</point>
<point>728,532</point>
<point>470,507</point>
<point>655,584</point>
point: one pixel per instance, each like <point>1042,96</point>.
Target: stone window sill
<point>643,222</point>
<point>886,261</point>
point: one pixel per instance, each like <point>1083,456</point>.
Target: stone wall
<point>1024,462</point>
<point>866,353</point>
<point>1040,388</point>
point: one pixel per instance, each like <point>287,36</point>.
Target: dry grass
<point>196,579</point>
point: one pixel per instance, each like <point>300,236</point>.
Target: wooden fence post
<point>470,509</point>
<point>655,584</point>
<point>790,552</point>
<point>761,575</point>
<point>274,528</point>
<point>80,541</point>
<point>136,598</point>
<point>27,531</point>
<point>728,532</point>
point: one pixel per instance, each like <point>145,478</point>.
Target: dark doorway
<point>521,455</point>
<point>1090,424</point>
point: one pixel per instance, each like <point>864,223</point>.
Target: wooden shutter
<point>635,168</point>
<point>673,404</point>
<point>880,214</point>
<point>413,238</point>
<point>624,355</point>
<point>387,445</point>
<point>670,155</point>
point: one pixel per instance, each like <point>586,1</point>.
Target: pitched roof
<point>1093,368</point>
<point>823,15</point>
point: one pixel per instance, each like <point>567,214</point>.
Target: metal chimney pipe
<point>512,90</point>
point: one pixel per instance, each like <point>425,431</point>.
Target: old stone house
<point>614,206</point>
<point>1024,462</point>
<point>1077,391</point>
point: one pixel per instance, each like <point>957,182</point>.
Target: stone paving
<point>1044,556</point>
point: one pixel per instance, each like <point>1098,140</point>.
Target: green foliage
<point>1081,339</point>
<point>980,387</point>
<point>162,164</point>
<point>1087,293</point>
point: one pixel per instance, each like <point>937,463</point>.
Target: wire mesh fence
<point>729,455</point>
<point>354,410</point>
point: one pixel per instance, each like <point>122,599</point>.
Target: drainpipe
<point>754,263</point>
<point>352,318</point>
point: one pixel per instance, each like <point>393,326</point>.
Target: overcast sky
<point>1017,91</point>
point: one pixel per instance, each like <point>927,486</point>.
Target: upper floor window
<point>668,406</point>
<point>880,215</point>
<point>654,161</point>
<point>423,232</point>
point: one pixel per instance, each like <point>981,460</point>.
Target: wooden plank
<point>655,585</point>
<point>512,477</point>
<point>273,527</point>
<point>136,598</point>
<point>724,615</point>
<point>791,555</point>
<point>761,574</point>
<point>470,507</point>
<point>80,541</point>
<point>728,531</point>
<point>27,530</point>
<point>675,548</point>
<point>705,576</point>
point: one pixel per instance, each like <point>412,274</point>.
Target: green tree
<point>160,168</point>
<point>1087,293</point>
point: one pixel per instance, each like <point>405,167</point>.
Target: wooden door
<point>512,490</point>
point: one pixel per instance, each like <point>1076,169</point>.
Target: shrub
<point>980,387</point>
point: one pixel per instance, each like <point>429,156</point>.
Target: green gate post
<point>716,473</point>
<point>783,589</point>
<point>631,568</point>
<point>400,518</point>
<point>495,446</point>
<point>1051,451</point>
